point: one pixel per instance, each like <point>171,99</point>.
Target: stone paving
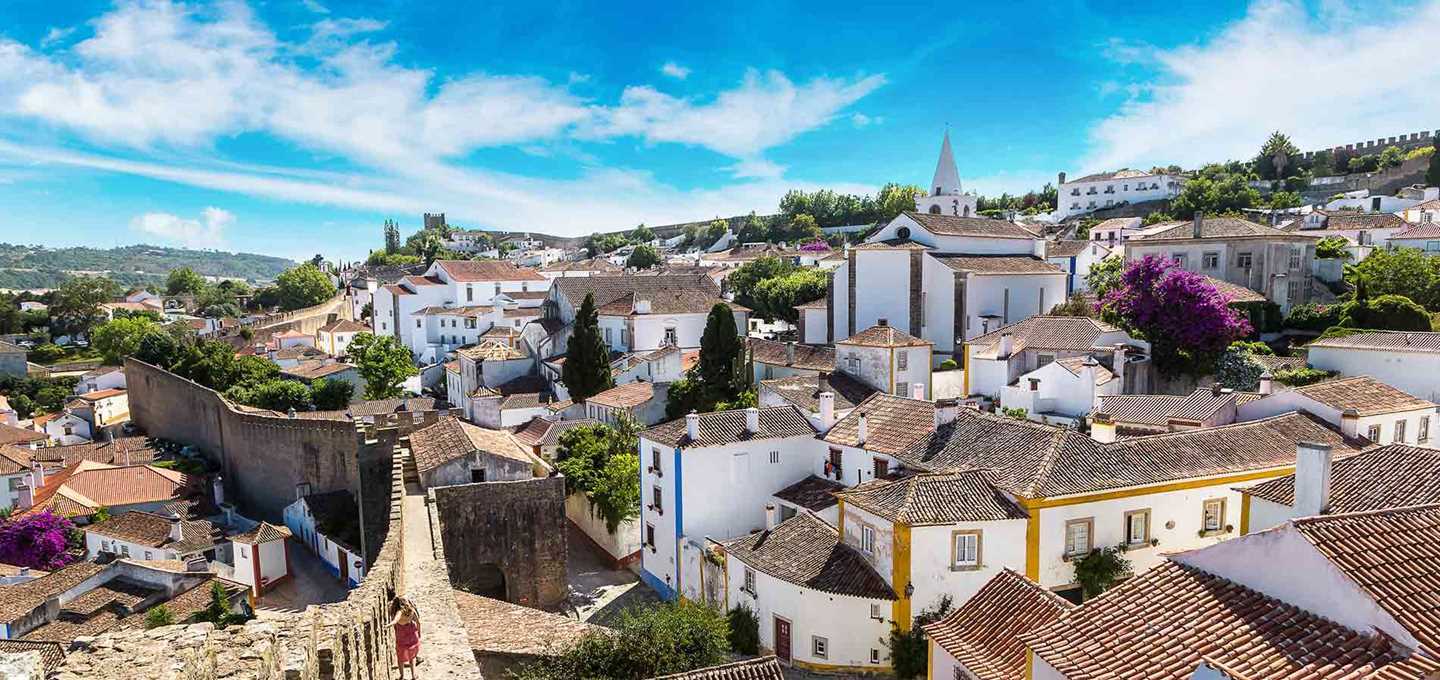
<point>309,583</point>
<point>445,652</point>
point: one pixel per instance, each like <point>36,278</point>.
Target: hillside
<point>41,267</point>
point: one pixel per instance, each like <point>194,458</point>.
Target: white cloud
<point>1322,79</point>
<point>675,70</point>
<point>55,35</point>
<point>757,168</point>
<point>861,120</point>
<point>314,6</point>
<point>206,232</point>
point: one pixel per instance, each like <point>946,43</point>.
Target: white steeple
<point>947,177</point>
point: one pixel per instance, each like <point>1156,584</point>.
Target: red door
<point>782,639</point>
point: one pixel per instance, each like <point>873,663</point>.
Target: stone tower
<point>945,196</point>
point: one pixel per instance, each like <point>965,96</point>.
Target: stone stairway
<point>410,471</point>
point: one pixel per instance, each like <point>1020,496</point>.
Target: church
<point>941,273</point>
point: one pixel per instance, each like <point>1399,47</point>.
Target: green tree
<point>746,277</point>
<point>894,199</point>
<point>1385,312</point>
<point>303,286</point>
<point>1215,191</point>
<point>910,649</point>
<point>331,395</point>
<point>721,353</point>
<point>802,229</point>
<point>184,281</point>
<point>600,461</point>
<point>47,353</point>
<point>208,362</point>
<point>1101,569</point>
<point>75,307</point>
<point>642,234</point>
<point>1278,158</point>
<point>776,297</point>
<point>219,611</point>
<point>715,231</point>
<point>159,347</point>
<point>1237,369</point>
<point>744,630</point>
<point>1105,275</point>
<point>1282,200</point>
<point>276,395</point>
<point>1398,271</point>
<point>1432,174</point>
<point>1391,157</point>
<point>643,257</point>
<point>120,338</point>
<point>383,363</point>
<point>586,371</point>
<point>647,641</point>
<point>392,237</point>
<point>1333,248</point>
<point>158,616</point>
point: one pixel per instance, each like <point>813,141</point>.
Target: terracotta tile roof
<point>820,303</point>
<point>120,451</point>
<point>683,289</point>
<point>884,336</point>
<point>541,432</point>
<point>499,627</point>
<point>502,331</point>
<point>666,302</point>
<point>804,390</point>
<point>763,668</point>
<point>998,264</point>
<point>807,552</point>
<point>811,493</point>
<point>1405,341</point>
<point>13,459</point>
<point>1389,476</point>
<point>1365,394</point>
<point>344,326</point>
<point>1033,460</point>
<point>808,357</point>
<point>19,599</point>
<point>1339,220</point>
<point>1235,292</point>
<point>314,370</point>
<point>1214,227</point>
<point>450,438</point>
<point>951,225</point>
<point>135,527</point>
<point>301,352</point>
<point>263,532</point>
<point>1067,248</point>
<point>1427,230</point>
<point>1077,333</point>
<point>186,605</point>
<point>9,434</point>
<point>628,395</point>
<point>725,427</point>
<point>1393,555</point>
<point>52,654</point>
<point>893,423</point>
<point>92,485</point>
<point>380,407</point>
<point>984,633</point>
<point>1123,173</point>
<point>591,265</point>
<point>1164,623</point>
<point>1140,409</point>
<point>487,270</point>
<point>1077,364</point>
<point>490,350</point>
<point>935,498</point>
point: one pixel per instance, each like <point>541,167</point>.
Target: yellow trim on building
<point>1032,540</point>
<point>1244,514</point>
<point>1182,485</point>
<point>840,523</point>
<point>900,576</point>
<point>839,668</point>
<point>965,366</point>
<point>929,658</point>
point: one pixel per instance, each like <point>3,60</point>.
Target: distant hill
<point>41,267</point>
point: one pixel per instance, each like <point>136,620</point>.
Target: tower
<point>944,196</point>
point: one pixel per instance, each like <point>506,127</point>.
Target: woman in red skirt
<point>407,635</point>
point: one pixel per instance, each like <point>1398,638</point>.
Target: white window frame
<point>1089,524</point>
<point>969,556</point>
<point>747,584</point>
<point>1424,434</point>
<point>1219,515</point>
<point>902,360</point>
<point>1130,517</point>
<point>867,539</point>
<point>1398,434</point>
<point>819,647</point>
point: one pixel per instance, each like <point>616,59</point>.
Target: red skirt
<point>407,642</point>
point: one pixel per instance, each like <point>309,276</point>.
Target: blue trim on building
<point>666,592</point>
<point>1069,283</point>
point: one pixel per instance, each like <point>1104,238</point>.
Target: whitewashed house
<point>1424,237</point>
<point>411,309</point>
<point>452,451</point>
<point>888,359</point>
<point>1360,406</point>
<point>63,427</point>
<point>149,536</point>
<point>1009,355</point>
<point>980,639</point>
<point>710,476</point>
<point>261,557</point>
<point>1075,258</point>
<point>1061,392</point>
<point>329,525</point>
<point>642,313</point>
<point>1425,212</point>
<point>1362,229</point>
<point>102,378</point>
<point>1385,477</point>
<point>1115,231</point>
<point>1403,359</point>
<point>1110,189</point>
<point>334,338</point>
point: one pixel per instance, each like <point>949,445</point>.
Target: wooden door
<point>782,639</point>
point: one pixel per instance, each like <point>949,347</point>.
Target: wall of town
<point>518,527</point>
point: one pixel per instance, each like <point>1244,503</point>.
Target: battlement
<point>1406,142</point>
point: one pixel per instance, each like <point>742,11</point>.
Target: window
<point>882,467</point>
<point>1399,432</point>
<point>774,457</point>
<point>417,323</point>
<point>1044,360</point>
<point>819,647</point>
<point>149,555</point>
<point>965,549</point>
<point>852,363</point>
<point>874,654</point>
<point>469,294</point>
<point>1078,537</point>
<point>875,611</point>
<point>1295,254</point>
<point>477,475</point>
<point>1373,434</point>
<point>1243,260</point>
<point>655,500</point>
<point>671,337</point>
<point>125,550</point>
<point>607,335</point>
<point>1005,316</point>
<point>1137,527</point>
<point>902,360</point>
<point>650,535</point>
<point>902,389</point>
<point>1213,519</point>
<point>1424,434</point>
<point>749,585</point>
<point>867,539</point>
<point>1292,290</point>
<point>1210,260</point>
<point>655,460</point>
<point>1181,259</point>
<point>1427,218</point>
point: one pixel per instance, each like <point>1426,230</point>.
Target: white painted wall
<point>1413,372</point>
<point>1290,400</point>
<point>1002,545</point>
<point>844,621</point>
<point>986,295</point>
<point>95,543</point>
<point>619,545</point>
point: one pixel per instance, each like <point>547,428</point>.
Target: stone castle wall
<point>517,526</point>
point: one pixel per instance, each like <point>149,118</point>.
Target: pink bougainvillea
<point>1186,320</point>
<point>39,540</point>
<point>815,247</point>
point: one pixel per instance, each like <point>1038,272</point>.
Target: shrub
<point>38,540</point>
<point>648,641</point>
<point>1386,312</point>
<point>1299,377</point>
<point>158,616</point>
<point>47,353</point>
<point>744,630</point>
<point>909,649</point>
<point>1313,316</point>
<point>1238,370</point>
<point>1331,248</point>
<point>1101,569</point>
<point>949,365</point>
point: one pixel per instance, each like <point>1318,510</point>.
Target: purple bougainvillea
<point>1187,321</point>
<point>815,247</point>
<point>38,540</point>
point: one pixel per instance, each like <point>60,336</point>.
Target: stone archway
<point>489,581</point>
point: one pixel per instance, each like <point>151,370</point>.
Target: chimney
<point>175,533</point>
<point>1061,182</point>
<point>917,391</point>
<point>827,409</point>
<point>217,490</point>
<point>1118,363</point>
<point>692,425</point>
<point>1350,423</point>
<point>642,306</point>
<point>37,473</point>
<point>1199,222</point>
<point>1267,384</point>
<point>822,381</point>
<point>1007,344</point>
<point>862,430</point>
<point>1312,478</point>
<point>882,322</point>
<point>790,353</point>
<point>1216,389</point>
<point>1102,428</point>
<point>945,411</point>
<point>25,497</point>
<point>752,420</point>
<point>772,516</point>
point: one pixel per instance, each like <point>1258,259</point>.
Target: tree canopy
<point>600,461</point>
<point>303,286</point>
<point>643,257</point>
<point>647,641</point>
<point>1186,320</point>
<point>382,362</point>
<point>586,371</point>
<point>1398,271</point>
<point>75,307</point>
<point>120,338</point>
<point>1216,189</point>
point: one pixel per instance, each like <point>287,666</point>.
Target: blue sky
<point>296,126</point>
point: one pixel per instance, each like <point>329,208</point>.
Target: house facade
<point>1274,262</point>
<point>1403,359</point>
<point>400,308</point>
<point>1109,189</point>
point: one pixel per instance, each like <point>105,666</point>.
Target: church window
<point>934,210</point>
<point>904,232</point>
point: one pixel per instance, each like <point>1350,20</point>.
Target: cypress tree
<point>587,359</point>
<point>720,355</point>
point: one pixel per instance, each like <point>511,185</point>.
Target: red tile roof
<point>893,423</point>
<point>628,395</point>
<point>725,427</point>
<point>935,498</point>
<point>884,336</point>
<point>763,668</point>
<point>487,270</point>
<point>1385,477</point>
<point>984,633</point>
<point>807,552</point>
